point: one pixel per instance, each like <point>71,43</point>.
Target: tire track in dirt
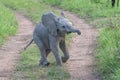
<point>9,52</point>
<point>82,65</point>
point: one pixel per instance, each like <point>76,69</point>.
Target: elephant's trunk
<point>77,31</point>
<point>74,31</point>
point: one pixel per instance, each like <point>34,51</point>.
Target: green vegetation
<point>88,9</point>
<point>101,14</point>
<point>31,8</point>
<point>28,67</point>
<point>109,51</point>
<point>8,24</point>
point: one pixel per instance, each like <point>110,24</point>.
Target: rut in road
<point>81,64</point>
<point>9,52</point>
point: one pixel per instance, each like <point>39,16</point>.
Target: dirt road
<point>81,63</point>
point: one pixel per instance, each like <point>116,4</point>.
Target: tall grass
<point>89,9</point>
<point>109,52</point>
<point>8,23</point>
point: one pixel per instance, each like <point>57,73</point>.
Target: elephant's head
<point>55,24</point>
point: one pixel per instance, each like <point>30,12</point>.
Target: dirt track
<point>81,63</point>
<point>82,51</point>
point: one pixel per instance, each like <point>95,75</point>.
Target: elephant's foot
<point>44,63</point>
<point>64,59</point>
<point>59,64</point>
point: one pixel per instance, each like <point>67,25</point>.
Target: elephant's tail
<point>28,44</point>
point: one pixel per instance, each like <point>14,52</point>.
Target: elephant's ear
<point>49,21</point>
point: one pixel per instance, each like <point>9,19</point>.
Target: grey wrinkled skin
<point>50,33</point>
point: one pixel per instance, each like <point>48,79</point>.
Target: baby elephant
<point>49,33</point>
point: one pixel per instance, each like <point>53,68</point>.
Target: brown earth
<point>82,51</point>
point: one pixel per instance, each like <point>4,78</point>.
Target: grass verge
<point>31,8</point>
<point>109,50</point>
<point>88,9</point>
<point>8,23</point>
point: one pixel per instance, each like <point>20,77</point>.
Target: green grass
<point>109,52</point>
<point>28,67</point>
<point>88,9</point>
<point>8,23</point>
<point>31,8</point>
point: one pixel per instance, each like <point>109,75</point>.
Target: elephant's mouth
<point>69,32</point>
<point>61,31</point>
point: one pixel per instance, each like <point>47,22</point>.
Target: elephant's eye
<point>63,26</point>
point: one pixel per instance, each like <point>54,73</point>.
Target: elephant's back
<point>42,33</point>
<point>40,30</point>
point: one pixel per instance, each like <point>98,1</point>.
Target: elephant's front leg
<point>54,48</point>
<point>63,47</point>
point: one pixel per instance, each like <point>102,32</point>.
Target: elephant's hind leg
<point>39,43</point>
<point>48,52</point>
